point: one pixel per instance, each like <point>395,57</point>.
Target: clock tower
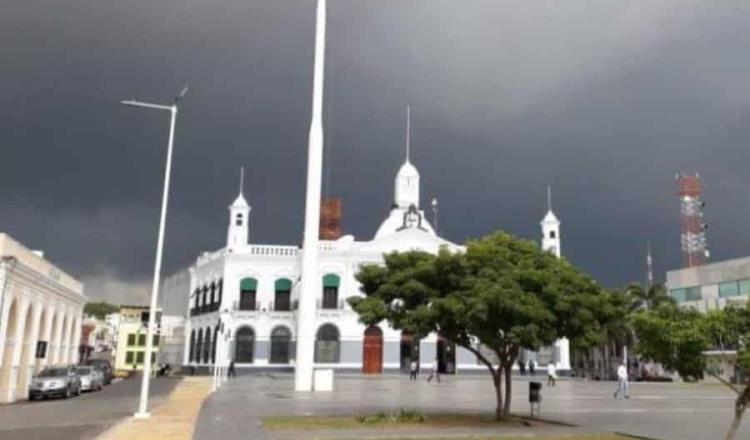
<point>407,179</point>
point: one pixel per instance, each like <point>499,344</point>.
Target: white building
<point>254,288</point>
<point>41,311</point>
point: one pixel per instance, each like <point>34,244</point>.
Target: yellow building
<point>130,352</point>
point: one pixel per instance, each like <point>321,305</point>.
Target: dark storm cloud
<point>603,100</point>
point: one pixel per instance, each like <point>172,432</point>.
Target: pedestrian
<point>551,374</point>
<point>623,387</point>
<point>532,367</point>
<point>435,371</point>
<point>413,370</point>
<point>135,368</point>
<point>230,372</point>
<point>522,367</point>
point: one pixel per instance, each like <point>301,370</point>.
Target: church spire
<point>408,132</point>
<point>549,198</point>
<point>407,179</point>
<point>242,180</point>
<point>239,211</point>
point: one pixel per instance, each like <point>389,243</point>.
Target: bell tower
<point>239,211</point>
<point>550,229</point>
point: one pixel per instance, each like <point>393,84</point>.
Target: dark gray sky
<point>605,100</point>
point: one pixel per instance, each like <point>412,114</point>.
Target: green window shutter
<point>249,284</point>
<point>331,280</point>
<point>283,285</point>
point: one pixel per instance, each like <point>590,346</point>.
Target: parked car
<point>55,381</point>
<point>92,378</point>
<point>104,366</point>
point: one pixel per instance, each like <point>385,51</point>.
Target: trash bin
<point>535,397</point>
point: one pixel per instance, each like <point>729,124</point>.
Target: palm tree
<point>648,298</point>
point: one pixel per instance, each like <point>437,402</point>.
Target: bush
<point>382,417</point>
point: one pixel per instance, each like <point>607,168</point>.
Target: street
<point>81,417</point>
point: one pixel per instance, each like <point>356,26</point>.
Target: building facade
<point>711,286</point>
<point>131,339</point>
<point>252,290</point>
<point>41,313</point>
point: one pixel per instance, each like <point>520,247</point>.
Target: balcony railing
<point>250,306</point>
<point>338,305</point>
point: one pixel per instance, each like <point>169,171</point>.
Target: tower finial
<point>242,179</point>
<point>549,198</point>
<point>408,131</point>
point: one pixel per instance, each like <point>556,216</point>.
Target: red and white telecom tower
<point>693,237</point>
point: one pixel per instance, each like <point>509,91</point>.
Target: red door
<point>372,356</point>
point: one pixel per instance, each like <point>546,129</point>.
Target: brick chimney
<point>330,219</point>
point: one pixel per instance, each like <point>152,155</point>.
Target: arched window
<point>192,346</point>
<point>281,338</point>
<point>331,291</point>
<point>327,344</point>
<point>248,289</point>
<point>283,295</point>
<point>199,346</point>
<point>207,346</point>
<point>244,345</point>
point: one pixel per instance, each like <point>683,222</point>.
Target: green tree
<point>693,344</point>
<point>503,294</point>
<point>648,298</point>
<point>99,309</point>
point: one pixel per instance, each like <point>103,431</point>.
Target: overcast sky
<point>604,100</point>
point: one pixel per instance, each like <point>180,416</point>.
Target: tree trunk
<point>498,380</point>
<point>508,381</point>
<point>740,405</point>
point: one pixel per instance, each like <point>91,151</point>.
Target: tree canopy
<point>503,294</point>
<point>99,309</point>
<point>695,344</point>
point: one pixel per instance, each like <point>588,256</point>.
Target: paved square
<point>667,411</point>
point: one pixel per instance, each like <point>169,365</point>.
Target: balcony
<point>247,306</point>
<point>328,305</point>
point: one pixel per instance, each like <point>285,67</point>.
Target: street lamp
<point>143,406</point>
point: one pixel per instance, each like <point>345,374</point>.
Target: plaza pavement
<point>664,411</point>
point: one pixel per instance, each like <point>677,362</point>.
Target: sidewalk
<point>174,420</point>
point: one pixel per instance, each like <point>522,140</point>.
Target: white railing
<point>276,251</point>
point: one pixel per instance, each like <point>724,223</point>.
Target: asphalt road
<point>81,417</point>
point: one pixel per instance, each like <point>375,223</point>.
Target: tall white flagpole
<point>311,283</point>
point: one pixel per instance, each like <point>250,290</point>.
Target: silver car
<point>91,378</point>
<point>55,381</point>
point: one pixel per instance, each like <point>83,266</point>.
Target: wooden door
<point>372,356</point>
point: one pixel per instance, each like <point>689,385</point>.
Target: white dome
<point>240,202</point>
<point>550,218</point>
<point>408,170</point>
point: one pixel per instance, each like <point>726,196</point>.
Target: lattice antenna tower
<point>693,226</point>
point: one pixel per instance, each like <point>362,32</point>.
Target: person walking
<point>413,370</point>
<point>623,387</point>
<point>532,367</point>
<point>230,372</point>
<point>435,371</point>
<point>551,374</point>
<point>522,367</point>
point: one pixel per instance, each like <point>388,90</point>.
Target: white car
<point>91,378</point>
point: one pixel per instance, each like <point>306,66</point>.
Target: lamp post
<point>142,412</point>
